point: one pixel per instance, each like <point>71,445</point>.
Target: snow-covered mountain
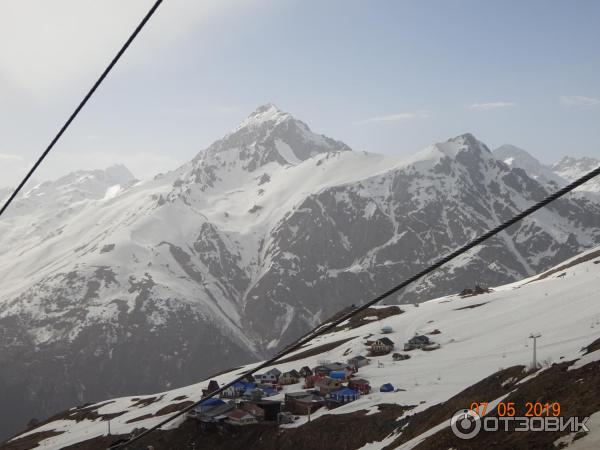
<point>112,286</point>
<point>572,168</point>
<point>517,157</point>
<point>484,356</point>
<point>553,176</point>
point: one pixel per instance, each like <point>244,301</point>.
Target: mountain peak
<point>514,156</point>
<point>468,140</point>
<point>511,155</point>
<point>267,135</point>
<point>266,108</point>
<point>267,113</point>
<point>459,145</point>
<point>120,173</point>
<point>464,142</point>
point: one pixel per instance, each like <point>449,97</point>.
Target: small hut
<point>387,387</point>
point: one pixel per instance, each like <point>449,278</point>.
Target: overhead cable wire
<point>81,105</point>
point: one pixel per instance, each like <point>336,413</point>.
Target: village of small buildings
<point>283,397</point>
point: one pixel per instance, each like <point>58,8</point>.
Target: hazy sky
<point>383,76</point>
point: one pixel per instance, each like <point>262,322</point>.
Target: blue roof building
<point>344,395</point>
<point>208,404</point>
<point>337,375</point>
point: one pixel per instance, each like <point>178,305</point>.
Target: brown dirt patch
<point>359,319</point>
<point>140,418</point>
<point>477,290</point>
<point>29,441</point>
<point>316,350</point>
<point>145,401</point>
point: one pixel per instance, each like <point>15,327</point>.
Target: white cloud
<point>487,106</point>
<point>399,117</point>
<point>579,100</point>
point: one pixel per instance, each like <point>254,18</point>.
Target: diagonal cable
<point>328,326</point>
<point>81,105</point>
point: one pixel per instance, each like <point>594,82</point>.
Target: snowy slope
<point>479,335</point>
<point>262,235</point>
<point>571,168</point>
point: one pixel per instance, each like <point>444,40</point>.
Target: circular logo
<point>465,424</point>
